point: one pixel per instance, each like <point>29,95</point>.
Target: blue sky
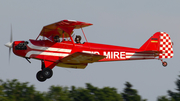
<point>118,22</point>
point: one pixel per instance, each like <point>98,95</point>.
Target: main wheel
<point>47,73</point>
<point>164,63</point>
<point>40,77</point>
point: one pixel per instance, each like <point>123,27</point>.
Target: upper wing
<point>65,27</point>
<point>82,58</point>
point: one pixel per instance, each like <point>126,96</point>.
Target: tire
<point>40,77</point>
<point>164,63</point>
<point>47,73</point>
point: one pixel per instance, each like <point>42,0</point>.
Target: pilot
<point>56,39</point>
<point>78,39</point>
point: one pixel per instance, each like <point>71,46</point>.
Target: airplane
<point>55,46</point>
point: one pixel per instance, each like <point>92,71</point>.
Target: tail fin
<point>161,43</point>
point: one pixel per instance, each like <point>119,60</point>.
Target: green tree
<point>16,91</point>
<point>173,96</point>
<point>58,93</point>
<point>91,93</point>
<point>165,98</point>
<point>2,94</point>
<point>81,94</point>
<point>104,94</point>
<point>74,93</point>
<point>13,90</point>
<point>130,94</point>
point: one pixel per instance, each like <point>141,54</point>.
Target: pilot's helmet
<point>78,38</point>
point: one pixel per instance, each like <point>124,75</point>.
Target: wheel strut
<point>42,64</point>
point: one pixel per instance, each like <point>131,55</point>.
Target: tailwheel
<point>47,73</point>
<point>164,63</point>
<point>40,77</point>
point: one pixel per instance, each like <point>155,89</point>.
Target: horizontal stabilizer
<point>148,52</point>
<point>79,57</point>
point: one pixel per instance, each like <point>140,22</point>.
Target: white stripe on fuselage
<point>46,53</point>
<point>121,55</point>
<point>48,48</point>
<point>65,51</point>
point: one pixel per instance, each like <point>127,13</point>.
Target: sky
<point>119,22</point>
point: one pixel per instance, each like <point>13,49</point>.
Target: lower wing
<point>79,57</point>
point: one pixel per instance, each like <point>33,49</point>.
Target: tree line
<point>13,90</point>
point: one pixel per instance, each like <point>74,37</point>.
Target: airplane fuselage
<point>53,51</point>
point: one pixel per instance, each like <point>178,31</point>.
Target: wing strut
<point>84,34</point>
<point>85,38</point>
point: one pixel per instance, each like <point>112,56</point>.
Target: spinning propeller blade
<point>9,44</point>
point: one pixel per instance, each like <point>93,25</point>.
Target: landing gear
<point>44,74</point>
<point>164,63</point>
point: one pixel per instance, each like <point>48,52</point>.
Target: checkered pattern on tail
<point>165,46</point>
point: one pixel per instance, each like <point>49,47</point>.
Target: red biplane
<point>55,47</point>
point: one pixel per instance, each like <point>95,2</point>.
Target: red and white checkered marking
<point>165,46</point>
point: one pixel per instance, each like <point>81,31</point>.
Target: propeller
<point>9,44</point>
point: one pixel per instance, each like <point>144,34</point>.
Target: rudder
<point>165,46</point>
